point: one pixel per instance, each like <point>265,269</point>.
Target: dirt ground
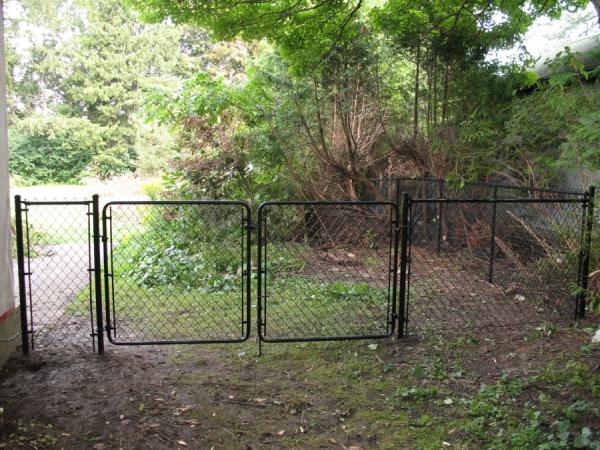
<point>414,393</point>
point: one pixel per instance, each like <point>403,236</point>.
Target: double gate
<point>181,272</point>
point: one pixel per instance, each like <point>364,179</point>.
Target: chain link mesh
<point>178,272</point>
<point>327,270</point>
<point>434,188</point>
<point>497,264</point>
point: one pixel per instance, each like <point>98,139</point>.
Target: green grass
<point>169,313</point>
<point>296,307</point>
<point>309,307</point>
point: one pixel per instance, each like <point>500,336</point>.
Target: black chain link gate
<point>180,271</point>
<point>58,270</point>
<point>199,293</point>
<point>327,270</point>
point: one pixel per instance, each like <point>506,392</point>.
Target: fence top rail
<point>487,184</point>
<point>177,202</point>
<point>327,202</point>
<point>498,200</point>
<point>57,203</point>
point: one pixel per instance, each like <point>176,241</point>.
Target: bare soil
<point>313,395</point>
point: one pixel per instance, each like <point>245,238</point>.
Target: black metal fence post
<point>259,280</point>
<point>21,273</point>
<point>439,216</point>
<point>403,264</point>
<point>493,234</point>
<point>97,272</point>
<point>581,256</point>
<point>587,252</point>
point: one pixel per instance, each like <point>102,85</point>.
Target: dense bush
<point>53,149</point>
<point>191,249</point>
<point>58,149</point>
<point>155,147</point>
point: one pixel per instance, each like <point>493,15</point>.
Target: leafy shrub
<point>53,149</point>
<point>112,161</point>
<point>154,147</point>
<point>184,251</point>
<point>155,267</point>
<point>59,149</point>
<point>556,127</point>
<point>153,188</point>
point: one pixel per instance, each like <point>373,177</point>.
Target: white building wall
<point>8,315</point>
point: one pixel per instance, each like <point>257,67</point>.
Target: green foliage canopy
<point>305,31</point>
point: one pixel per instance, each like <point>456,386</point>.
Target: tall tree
<point>93,60</point>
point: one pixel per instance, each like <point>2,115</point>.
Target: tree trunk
<point>445,95</point>
<point>596,4</point>
<point>416,106</point>
<point>435,93</point>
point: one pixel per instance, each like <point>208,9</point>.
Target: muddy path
<point>339,396</point>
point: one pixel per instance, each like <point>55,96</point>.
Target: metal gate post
<point>259,285</point>
<point>581,256</point>
<point>439,217</point>
<point>21,274</point>
<point>587,246</point>
<point>107,280</point>
<point>97,273</point>
<point>493,233</point>
<point>403,264</point>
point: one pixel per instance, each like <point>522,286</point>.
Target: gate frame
<point>262,241</point>
<point>246,275</point>
<point>94,297</point>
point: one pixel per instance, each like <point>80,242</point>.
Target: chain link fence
<point>498,263</point>
<point>435,188</point>
<point>434,258</point>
